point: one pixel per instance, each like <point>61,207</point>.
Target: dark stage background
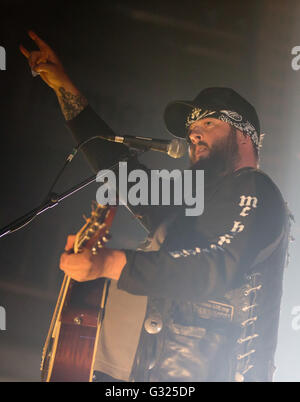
<point>130,58</point>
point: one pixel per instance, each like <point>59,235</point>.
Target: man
<point>208,287</point>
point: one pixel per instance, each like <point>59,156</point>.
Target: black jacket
<point>214,286</point>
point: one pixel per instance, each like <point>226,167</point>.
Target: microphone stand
<point>53,199</point>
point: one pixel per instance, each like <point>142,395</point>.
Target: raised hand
<point>46,63</point>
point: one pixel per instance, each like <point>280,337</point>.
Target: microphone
<point>175,148</point>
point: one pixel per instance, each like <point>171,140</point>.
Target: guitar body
<point>70,347</point>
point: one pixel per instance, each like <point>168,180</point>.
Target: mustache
<point>193,146</point>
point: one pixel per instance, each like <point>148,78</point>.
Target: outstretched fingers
<point>41,44</point>
<point>24,51</point>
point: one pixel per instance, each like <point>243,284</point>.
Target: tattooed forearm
<point>71,105</point>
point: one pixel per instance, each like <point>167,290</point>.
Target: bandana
<point>228,116</point>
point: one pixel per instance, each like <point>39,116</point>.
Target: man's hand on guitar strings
<point>85,266</point>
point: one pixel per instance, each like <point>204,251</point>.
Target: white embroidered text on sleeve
<point>247,204</point>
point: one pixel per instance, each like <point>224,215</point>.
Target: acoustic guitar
<point>70,347</point>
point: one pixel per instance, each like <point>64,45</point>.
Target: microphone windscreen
<point>177,148</point>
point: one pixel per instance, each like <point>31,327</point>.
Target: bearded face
<point>212,145</point>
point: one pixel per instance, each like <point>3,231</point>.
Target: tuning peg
<point>106,238</point>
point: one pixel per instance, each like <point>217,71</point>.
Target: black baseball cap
<point>216,99</point>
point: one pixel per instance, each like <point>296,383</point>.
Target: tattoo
<point>71,105</point>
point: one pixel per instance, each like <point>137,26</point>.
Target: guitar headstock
<point>95,232</point>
